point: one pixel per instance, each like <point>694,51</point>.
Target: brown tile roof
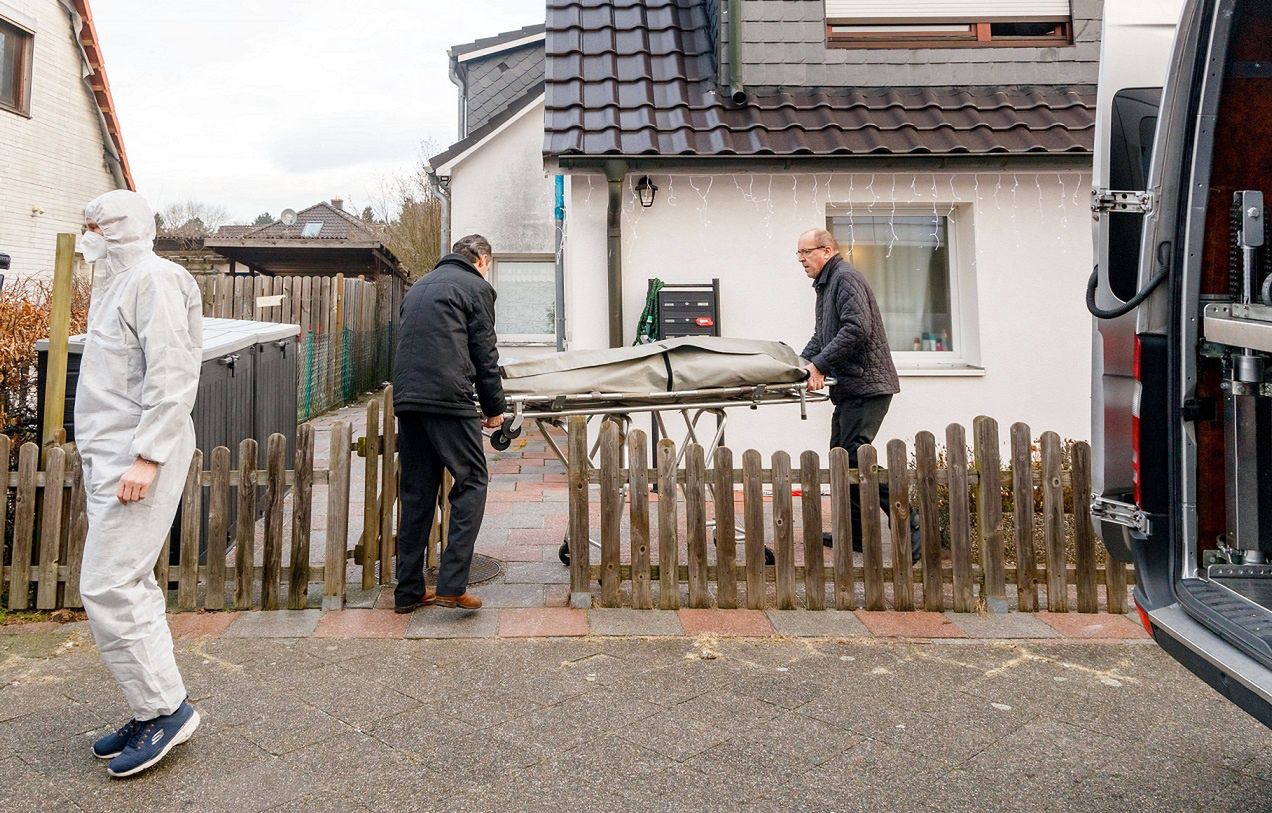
<point>100,86</point>
<point>337,224</point>
<point>638,77</point>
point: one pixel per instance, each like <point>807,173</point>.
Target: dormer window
<point>947,23</point>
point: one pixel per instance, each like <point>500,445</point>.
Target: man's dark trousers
<point>855,423</point>
<point>428,444</point>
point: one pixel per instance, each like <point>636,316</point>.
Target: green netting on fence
<point>325,382</point>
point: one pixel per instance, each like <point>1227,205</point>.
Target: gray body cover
<point>671,365</point>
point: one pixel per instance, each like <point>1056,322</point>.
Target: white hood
<point>128,225</point>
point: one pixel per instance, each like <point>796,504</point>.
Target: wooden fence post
<point>668,537</point>
<point>811,519</point>
<point>725,531</point>
<point>696,525</point>
<point>245,535</point>
<point>1053,525</point>
<point>611,514</point>
<point>1022,500</point>
<point>929,522</point>
<point>899,526</point>
<point>871,532</point>
<point>51,528</point>
<point>23,527</point>
<point>1083,530</point>
<point>302,512</point>
<point>580,556</point>
<point>783,541</point>
<point>191,520</point>
<point>78,531</point>
<point>218,528</point>
<point>276,464</point>
<point>841,529</point>
<point>1115,586</point>
<point>370,495</point>
<point>638,490</point>
<point>338,454</point>
<point>989,513</point>
<point>389,491</point>
<point>753,527</point>
<point>960,518</point>
<point>59,332</point>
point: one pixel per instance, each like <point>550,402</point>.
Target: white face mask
<point>93,246</point>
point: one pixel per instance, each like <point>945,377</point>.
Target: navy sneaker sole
<point>184,734</point>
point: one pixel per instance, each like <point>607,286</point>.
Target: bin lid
<point>221,337</point>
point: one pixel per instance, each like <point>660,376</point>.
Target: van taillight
<point>1136,483</point>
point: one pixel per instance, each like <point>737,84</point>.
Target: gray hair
<point>471,247</point>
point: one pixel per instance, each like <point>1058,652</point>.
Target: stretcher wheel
<point>563,552</point>
<point>514,432</point>
<point>769,558</point>
<point>499,440</point>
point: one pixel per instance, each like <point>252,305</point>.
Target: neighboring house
<point>60,141</point>
<point>494,182</point>
<point>949,151</point>
<point>323,240</point>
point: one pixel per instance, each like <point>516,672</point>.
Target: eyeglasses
<point>804,252</point>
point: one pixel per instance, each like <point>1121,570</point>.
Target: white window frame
<point>942,23</point>
<point>965,359</point>
<point>522,339</point>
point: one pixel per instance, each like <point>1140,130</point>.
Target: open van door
<point>1196,326</point>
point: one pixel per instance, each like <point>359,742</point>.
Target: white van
<point>1182,295</point>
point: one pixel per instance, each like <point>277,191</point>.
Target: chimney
<point>338,203</point>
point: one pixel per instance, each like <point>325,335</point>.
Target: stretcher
<point>697,378</point>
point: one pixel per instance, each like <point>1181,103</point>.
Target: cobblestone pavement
<point>600,723</point>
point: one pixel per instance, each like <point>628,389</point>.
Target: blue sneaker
<point>153,739</point>
<point>112,745</point>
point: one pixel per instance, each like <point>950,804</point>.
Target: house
<point>60,140</point>
<point>493,182</point>
<point>949,152</point>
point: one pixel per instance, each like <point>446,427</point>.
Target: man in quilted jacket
<point>849,344</point>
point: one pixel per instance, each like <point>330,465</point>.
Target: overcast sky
<point>266,106</point>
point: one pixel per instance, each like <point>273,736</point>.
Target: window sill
<point>950,371</point>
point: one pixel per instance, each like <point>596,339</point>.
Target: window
<point>907,260</point>
<point>311,229</point>
<point>525,312</point>
<point>947,23</point>
<point>15,68</point>
<point>1134,123</point>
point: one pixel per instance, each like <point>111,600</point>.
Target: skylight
<point>311,229</point>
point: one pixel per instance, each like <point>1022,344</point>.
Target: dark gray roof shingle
<point>638,77</point>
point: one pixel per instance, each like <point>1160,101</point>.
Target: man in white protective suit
<point>137,383</point>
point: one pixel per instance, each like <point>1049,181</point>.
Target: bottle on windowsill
<point>918,343</point>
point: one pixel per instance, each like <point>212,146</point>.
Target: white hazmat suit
<point>137,382</point>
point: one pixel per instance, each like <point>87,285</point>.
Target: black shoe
<point>828,540</point>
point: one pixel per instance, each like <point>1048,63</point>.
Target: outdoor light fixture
<point>646,190</point>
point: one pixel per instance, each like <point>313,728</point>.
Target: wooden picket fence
<point>974,583</point>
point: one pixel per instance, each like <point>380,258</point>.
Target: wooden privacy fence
<point>347,328</point>
<point>972,501</point>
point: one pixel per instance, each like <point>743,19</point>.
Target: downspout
<point>441,184</point>
<point>615,172</point>
<point>558,216</point>
<point>737,90</point>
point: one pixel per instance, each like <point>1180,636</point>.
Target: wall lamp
<point>646,190</point>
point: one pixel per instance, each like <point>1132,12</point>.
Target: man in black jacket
<point>446,347</point>
<point>850,345</point>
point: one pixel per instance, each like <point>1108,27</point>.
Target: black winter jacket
<point>849,343</point>
<point>446,344</point>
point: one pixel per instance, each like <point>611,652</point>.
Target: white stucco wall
<point>1022,248</point>
<point>500,190</point>
<point>54,160</point>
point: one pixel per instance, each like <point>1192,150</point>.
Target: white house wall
<point>1023,250</point>
<point>499,190</point>
<point>53,161</point>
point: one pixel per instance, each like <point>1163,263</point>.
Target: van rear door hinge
<point>1120,513</point>
<point>1104,201</point>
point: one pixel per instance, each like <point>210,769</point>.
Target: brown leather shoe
<point>465,602</point>
<point>429,598</point>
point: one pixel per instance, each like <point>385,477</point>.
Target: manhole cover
<point>484,568</point>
